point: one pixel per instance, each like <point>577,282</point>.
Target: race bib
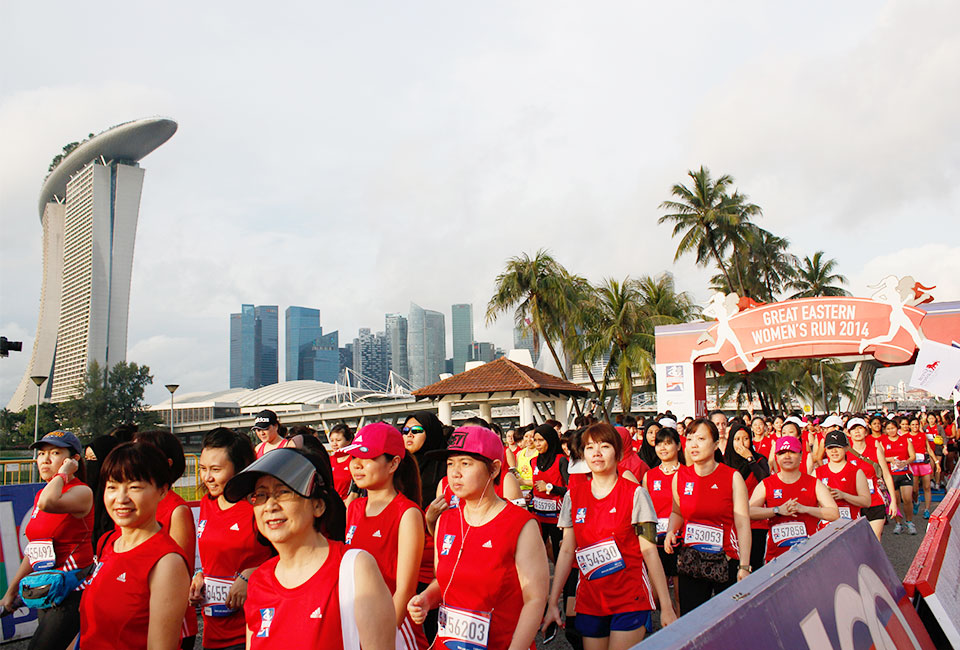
<point>41,554</point>
<point>788,533</point>
<point>920,458</point>
<point>215,592</point>
<point>845,512</point>
<point>870,485</point>
<point>708,539</point>
<point>545,505</point>
<point>600,559</point>
<point>662,524</point>
<point>462,629</point>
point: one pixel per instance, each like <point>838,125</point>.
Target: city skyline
<point>437,144</point>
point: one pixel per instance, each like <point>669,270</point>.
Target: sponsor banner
<point>16,504</point>
<point>937,368</point>
<point>838,590</point>
<point>675,389</point>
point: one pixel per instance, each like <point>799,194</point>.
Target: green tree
<point>762,262</point>
<point>709,220</point>
<point>816,277</point>
<point>536,289</point>
<point>49,421</point>
<point>110,397</point>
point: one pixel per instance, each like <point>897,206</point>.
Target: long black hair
<point>432,468</point>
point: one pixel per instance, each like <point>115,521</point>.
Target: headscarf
<point>545,460</point>
<point>432,469</point>
<point>648,453</point>
<point>102,446</point>
<point>757,466</point>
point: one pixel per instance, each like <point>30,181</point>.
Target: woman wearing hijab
<point>648,448</point>
<point>94,455</point>
<point>550,479</point>
<point>753,467</point>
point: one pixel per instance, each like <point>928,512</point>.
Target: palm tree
<point>815,277</point>
<point>762,263</point>
<point>535,288</point>
<point>709,218</point>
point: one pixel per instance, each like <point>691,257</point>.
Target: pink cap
<point>475,440</point>
<point>788,443</point>
<point>374,440</point>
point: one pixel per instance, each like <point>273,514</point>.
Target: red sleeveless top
<point>284,442</point>
<point>846,481</point>
<point>546,507</point>
<point>788,531</point>
<point>613,577</point>
<point>706,503</point>
<point>115,608</point>
<point>660,487</point>
<point>70,536</point>
<point>869,472</point>
<point>341,474</point>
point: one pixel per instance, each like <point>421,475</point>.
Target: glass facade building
<point>426,345</point>
<point>303,332</point>
<point>396,331</point>
<point>254,346</point>
<point>462,324</point>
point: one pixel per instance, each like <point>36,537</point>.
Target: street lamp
<point>172,388</point>
<point>823,387</point>
<point>38,380</point>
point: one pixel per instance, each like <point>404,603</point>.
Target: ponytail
<point>406,478</point>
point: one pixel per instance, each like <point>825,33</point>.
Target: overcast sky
<point>356,156</point>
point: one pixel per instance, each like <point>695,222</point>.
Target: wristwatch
<point>776,510</point>
<point>549,488</point>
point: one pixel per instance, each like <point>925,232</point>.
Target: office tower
<point>396,331</point>
<point>326,361</point>
<point>482,351</point>
<point>89,207</point>
<point>371,359</point>
<point>525,342</point>
<point>303,332</point>
<point>254,346</point>
<point>462,324</point>
<point>346,357</point>
<point>426,345</point>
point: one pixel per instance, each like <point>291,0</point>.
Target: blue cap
<point>63,439</point>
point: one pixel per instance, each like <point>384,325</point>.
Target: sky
<point>355,157</point>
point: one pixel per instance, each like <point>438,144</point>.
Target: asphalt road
<point>900,550</point>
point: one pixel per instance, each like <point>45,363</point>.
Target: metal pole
<point>172,388</point>
<point>823,386</point>
<point>38,380</point>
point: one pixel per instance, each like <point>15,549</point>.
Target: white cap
<point>668,423</point>
<point>797,421</point>
<point>856,422</point>
<point>833,421</point>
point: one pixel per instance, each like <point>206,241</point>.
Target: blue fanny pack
<point>44,589</point>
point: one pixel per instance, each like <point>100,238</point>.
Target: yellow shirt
<point>525,467</point>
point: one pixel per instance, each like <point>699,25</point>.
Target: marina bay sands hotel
<point>89,205</point>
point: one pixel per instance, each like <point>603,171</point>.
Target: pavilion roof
<point>498,376</point>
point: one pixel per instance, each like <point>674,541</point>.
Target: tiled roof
<point>500,375</point>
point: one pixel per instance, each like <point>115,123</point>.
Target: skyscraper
<point>303,331</point>
<point>89,207</point>
<point>396,331</point>
<point>462,323</point>
<point>254,347</point>
<point>326,360</point>
<point>426,345</point>
<point>371,359</point>
<point>525,342</point>
<point>482,351</point>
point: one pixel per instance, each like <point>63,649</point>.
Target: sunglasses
<point>412,431</point>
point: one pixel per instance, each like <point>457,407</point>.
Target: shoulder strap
<point>103,543</point>
<point>345,586</point>
<point>876,466</point>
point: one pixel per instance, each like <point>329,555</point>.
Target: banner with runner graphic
<point>839,591</point>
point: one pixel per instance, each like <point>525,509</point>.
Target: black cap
<point>265,419</point>
<point>835,439</point>
<point>288,465</point>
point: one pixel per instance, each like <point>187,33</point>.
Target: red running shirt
<point>228,544</point>
<point>764,445</point>
<point>920,448</point>
<point>616,580</point>
<point>115,608</point>
<point>284,442</point>
<point>633,463</point>
<point>306,616</point>
<point>788,531</point>
<point>896,449</point>
<point>341,474</point>
<point>477,570</point>
<point>70,535</point>
<point>546,507</point>
<point>846,481</point>
<point>707,501</point>
<point>660,487</point>
<point>869,472</point>
<point>165,509</point>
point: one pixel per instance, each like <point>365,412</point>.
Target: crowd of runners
<point>429,535</point>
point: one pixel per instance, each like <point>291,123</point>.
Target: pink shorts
<point>921,469</point>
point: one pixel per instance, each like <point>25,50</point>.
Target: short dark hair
<point>601,432</point>
<point>552,423</point>
<point>170,445</point>
<point>239,449</point>
<point>124,432</point>
<point>342,428</point>
<point>303,430</point>
<point>134,461</point>
<point>629,421</point>
<point>706,422</point>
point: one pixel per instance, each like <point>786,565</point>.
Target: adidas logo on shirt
<point>714,487</point>
<point>487,544</point>
<point>613,510</point>
<point>122,577</point>
<point>316,613</point>
<point>235,527</point>
<point>377,534</point>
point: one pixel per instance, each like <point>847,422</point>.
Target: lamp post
<point>172,388</point>
<point>38,380</point>
<point>823,387</point>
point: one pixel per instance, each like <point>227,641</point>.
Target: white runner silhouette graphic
<point>723,307</point>
<point>898,295</point>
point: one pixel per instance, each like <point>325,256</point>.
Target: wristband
<point>243,577</point>
<point>748,569</point>
<point>198,572</point>
<point>66,479</point>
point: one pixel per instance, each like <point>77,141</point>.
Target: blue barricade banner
<point>836,591</point>
<point>16,502</point>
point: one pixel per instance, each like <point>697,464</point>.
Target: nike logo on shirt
<point>377,534</point>
<point>122,577</point>
<point>235,527</point>
<point>487,544</point>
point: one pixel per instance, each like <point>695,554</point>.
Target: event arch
<point>888,327</point>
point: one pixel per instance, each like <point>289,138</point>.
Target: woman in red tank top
<point>601,520</point>
<point>869,456</point>
<point>752,466</point>
<point>492,574</point>
<point>138,593</point>
<point>271,433</point>
<point>710,504</point>
<point>659,484</point>
<point>294,599</point>
<point>58,536</point>
<point>792,500</point>
<point>340,436</point>
<point>847,482</point>
<point>549,484</point>
<point>922,467</point>
<point>388,522</point>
